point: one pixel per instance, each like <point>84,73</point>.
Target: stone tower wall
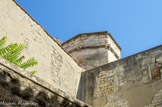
<point>93,49</point>
<point>55,65</point>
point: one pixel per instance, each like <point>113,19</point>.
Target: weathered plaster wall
<point>55,65</point>
<point>93,49</point>
<point>21,89</point>
<point>135,81</point>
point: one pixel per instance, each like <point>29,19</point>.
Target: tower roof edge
<point>101,32</point>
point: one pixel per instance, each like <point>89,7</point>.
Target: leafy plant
<point>12,53</point>
<point>33,72</point>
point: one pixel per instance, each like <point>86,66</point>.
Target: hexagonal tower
<point>91,50</point>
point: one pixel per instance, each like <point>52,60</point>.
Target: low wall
<point>19,88</point>
<point>135,81</point>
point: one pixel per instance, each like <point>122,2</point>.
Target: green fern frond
<point>15,53</point>
<point>32,72</point>
<point>19,61</point>
<point>12,53</point>
<point>29,63</point>
<point>7,50</point>
<point>3,41</point>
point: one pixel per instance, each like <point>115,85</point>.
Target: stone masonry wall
<point>55,65</point>
<point>135,81</point>
<point>91,58</point>
<point>93,49</point>
<point>18,88</point>
<point>114,47</point>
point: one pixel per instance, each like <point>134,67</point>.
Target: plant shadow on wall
<point>11,93</point>
<point>12,53</point>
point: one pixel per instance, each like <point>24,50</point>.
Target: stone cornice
<point>94,47</point>
<point>88,34</point>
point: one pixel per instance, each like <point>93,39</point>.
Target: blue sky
<point>135,24</point>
